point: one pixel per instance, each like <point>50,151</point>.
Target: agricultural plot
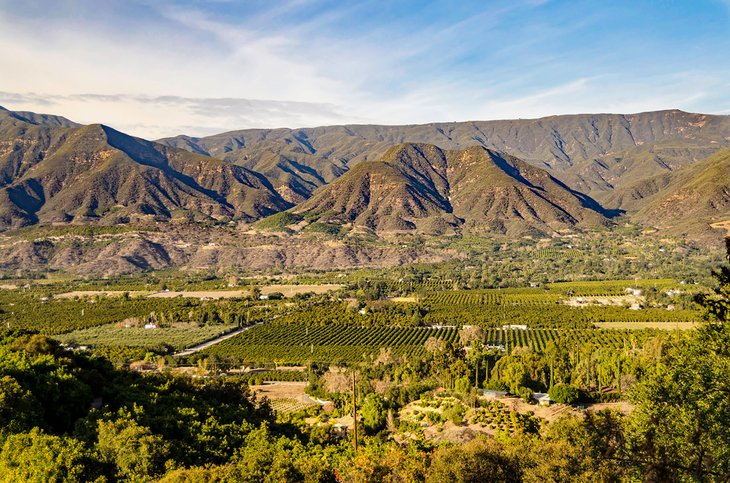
<point>292,290</point>
<point>539,338</point>
<point>112,335</point>
<point>287,344</point>
<point>79,294</point>
<point>648,325</point>
<point>494,297</point>
<point>489,416</point>
<point>291,405</point>
<point>202,294</point>
<point>547,315</point>
<point>259,377</point>
<point>298,344</point>
<point>609,287</point>
<point>496,416</point>
<point>538,307</point>
<point>56,316</point>
<point>285,397</point>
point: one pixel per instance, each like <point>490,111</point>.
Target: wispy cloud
<point>190,115</point>
<point>161,67</point>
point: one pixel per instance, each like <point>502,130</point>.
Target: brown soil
<point>281,390</point>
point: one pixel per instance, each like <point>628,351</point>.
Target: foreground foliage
<point>67,416</point>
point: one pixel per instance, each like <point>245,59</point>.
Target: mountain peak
<point>422,188</point>
<point>47,120</point>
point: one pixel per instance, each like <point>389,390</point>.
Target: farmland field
<point>112,335</point>
<point>647,325</point>
<point>297,344</point>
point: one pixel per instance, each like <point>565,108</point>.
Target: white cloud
<point>158,69</point>
<point>142,115</point>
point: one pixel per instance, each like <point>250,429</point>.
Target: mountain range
<point>666,169</point>
<point>420,187</point>
<point>53,170</point>
<point>597,154</point>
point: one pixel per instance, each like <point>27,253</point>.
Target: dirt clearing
<point>202,295</point>
<point>291,290</point>
<point>281,390</point>
<point>102,293</point>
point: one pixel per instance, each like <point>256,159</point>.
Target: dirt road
<point>205,345</point>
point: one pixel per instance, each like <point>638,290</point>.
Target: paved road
<point>205,345</point>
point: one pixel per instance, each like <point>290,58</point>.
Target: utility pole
<point>476,376</point>
<point>354,410</point>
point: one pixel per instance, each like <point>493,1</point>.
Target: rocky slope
<point>492,177</point>
<point>422,188</point>
<point>597,154</point>
<point>53,171</point>
<point>691,199</point>
<point>194,247</point>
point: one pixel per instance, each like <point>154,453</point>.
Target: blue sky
<point>159,68</point>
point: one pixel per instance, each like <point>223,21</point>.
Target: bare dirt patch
<point>404,300</point>
<point>548,413</point>
<point>291,290</point>
<point>203,294</point>
<point>281,390</point>
<point>722,225</point>
<point>601,300</point>
<point>102,293</point>
<point>621,406</point>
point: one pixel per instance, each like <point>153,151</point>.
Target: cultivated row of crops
<point>493,297</point>
<point>557,315</point>
<point>609,287</point>
<point>539,338</point>
<point>299,344</point>
<point>113,335</point>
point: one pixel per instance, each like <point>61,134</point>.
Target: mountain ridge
<point>95,173</point>
<point>598,154</point>
<point>422,188</point>
<point>54,170</point>
<point>185,209</point>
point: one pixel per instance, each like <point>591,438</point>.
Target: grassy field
<point>647,325</point>
<point>297,344</point>
<point>112,335</point>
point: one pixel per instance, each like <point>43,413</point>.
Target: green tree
<point>18,408</point>
<point>462,385</point>
<point>563,393</point>
<point>264,459</point>
<point>36,456</point>
<point>374,412</point>
<point>476,461</point>
<point>133,450</point>
<point>678,429</point>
